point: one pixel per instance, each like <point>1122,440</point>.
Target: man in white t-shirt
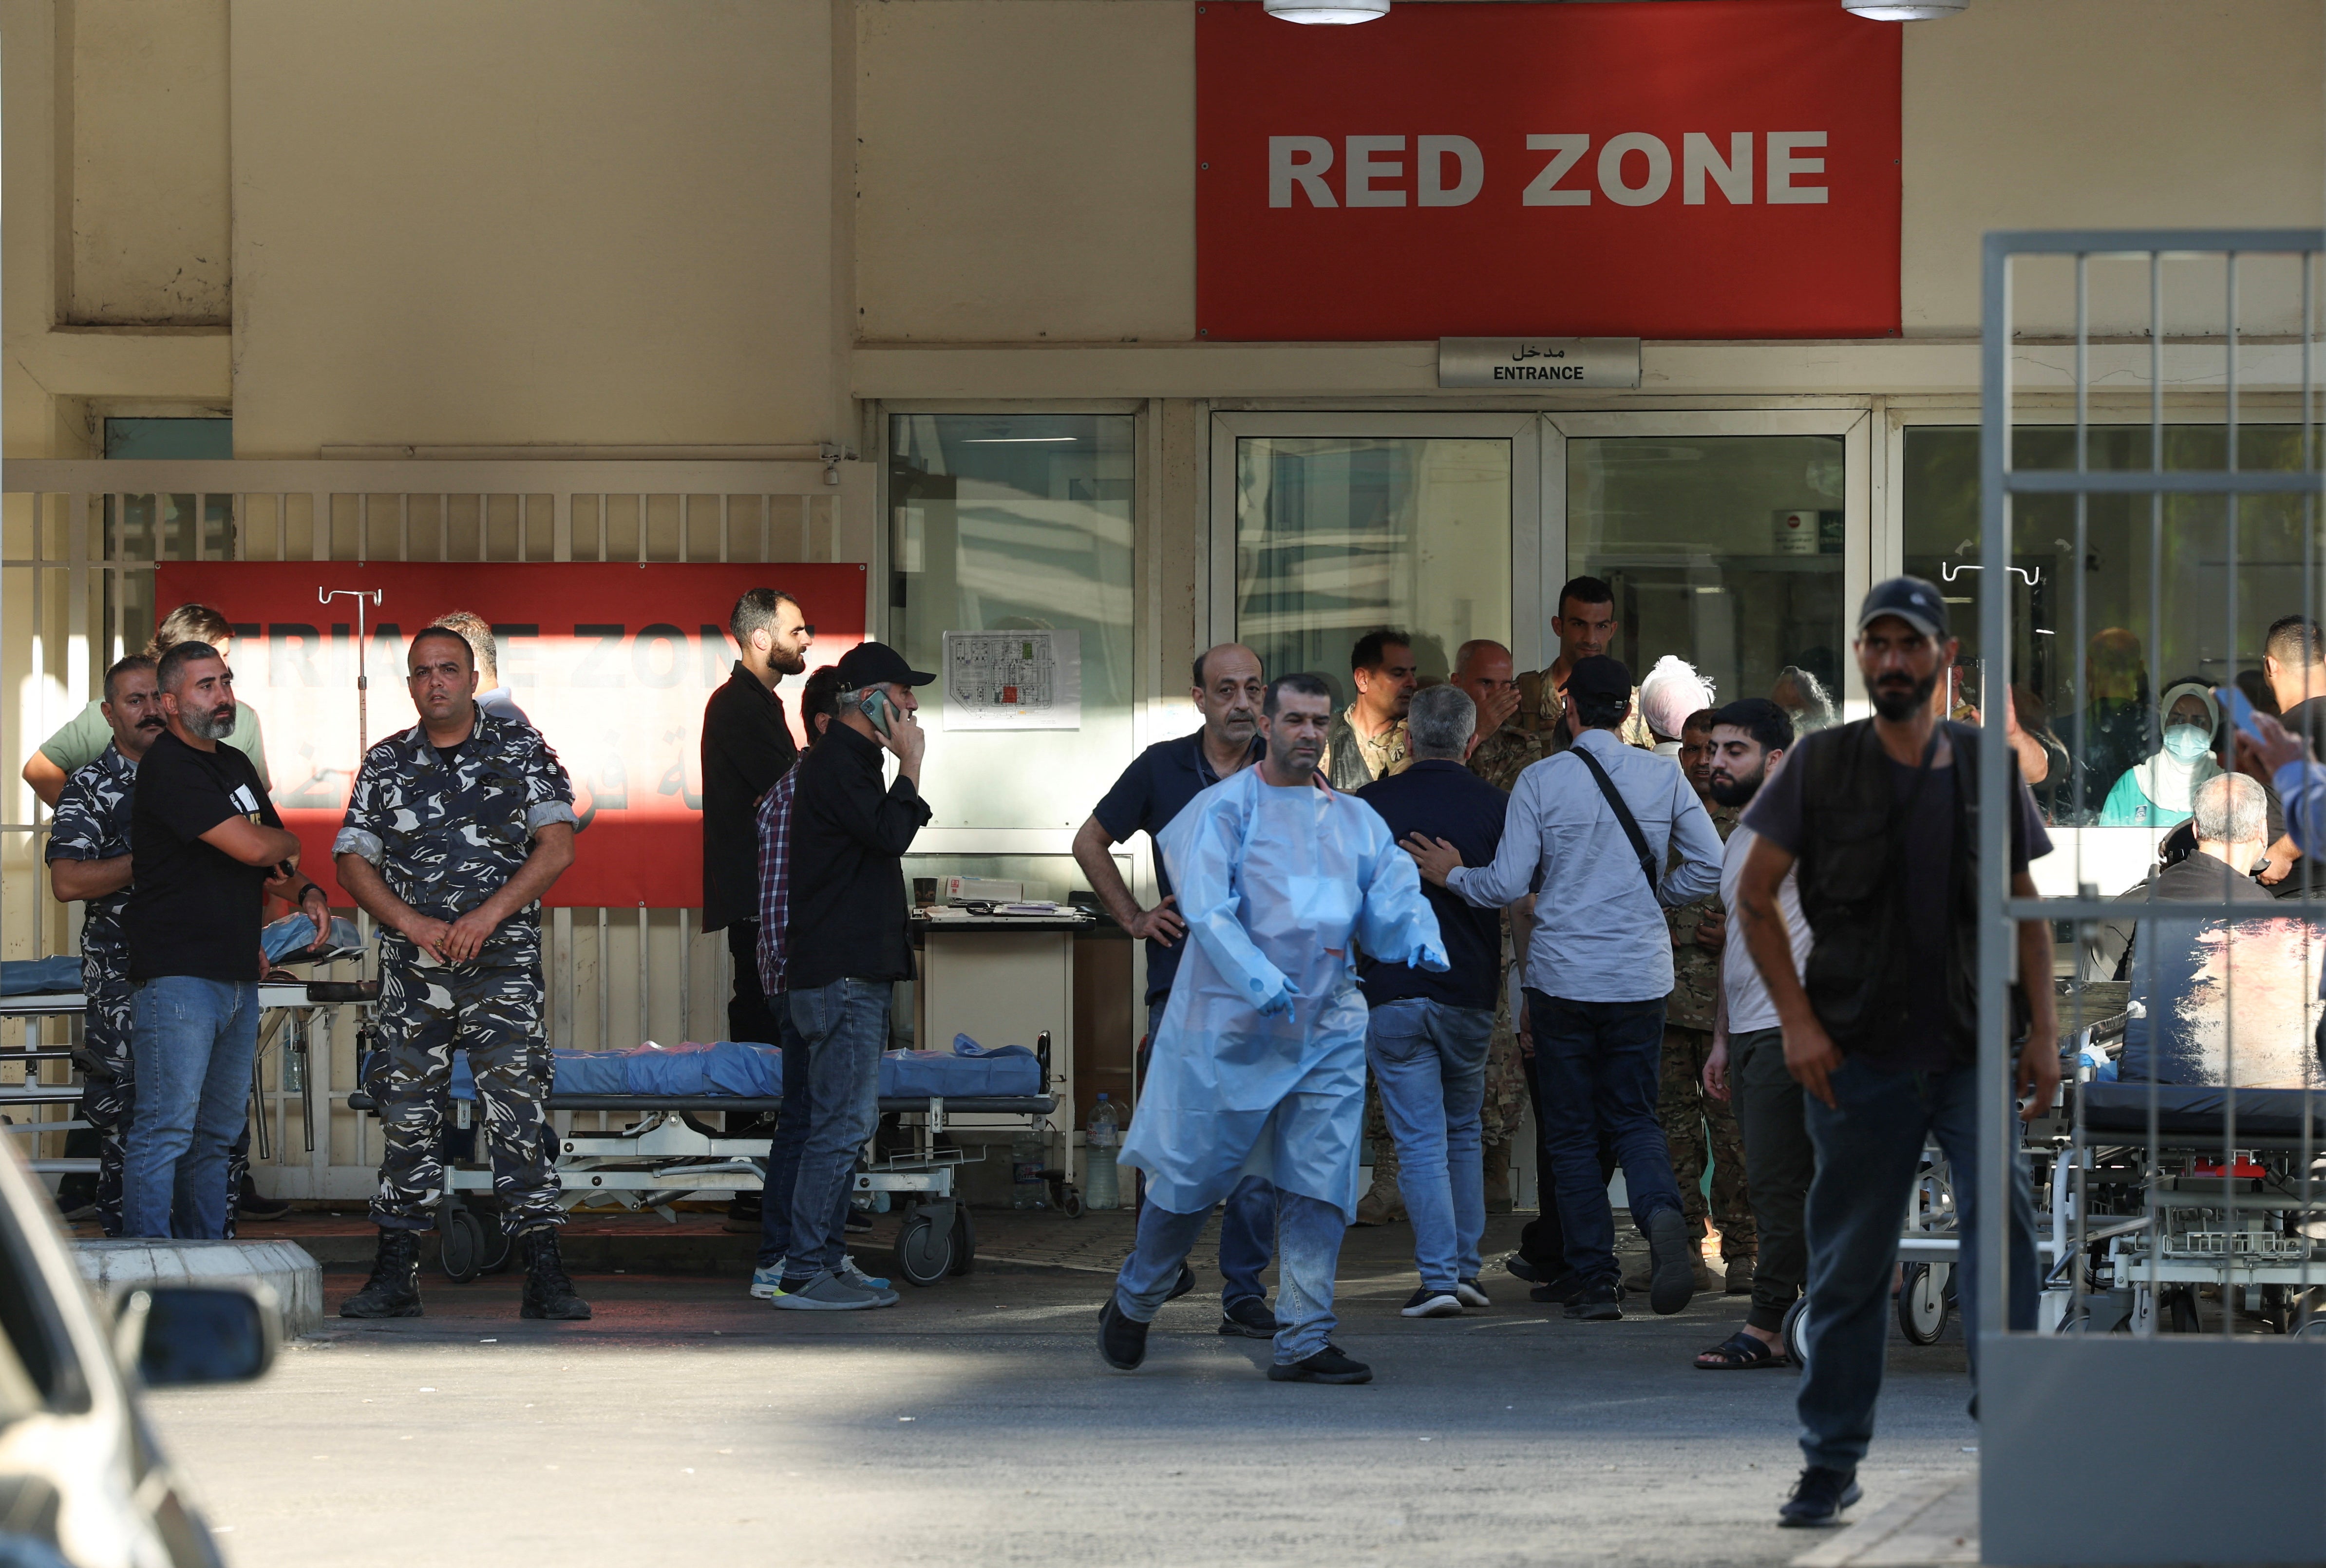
<point>1748,1063</point>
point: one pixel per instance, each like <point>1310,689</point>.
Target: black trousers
<point>747,1017</point>
<point>1542,1242</point>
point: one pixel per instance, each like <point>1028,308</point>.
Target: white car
<point>83,1484</point>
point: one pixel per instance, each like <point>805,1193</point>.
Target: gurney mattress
<point>748,1070</point>
<point>2201,1110</point>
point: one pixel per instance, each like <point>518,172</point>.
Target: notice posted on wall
<point>1027,680</point>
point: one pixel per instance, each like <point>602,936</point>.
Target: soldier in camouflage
<point>1585,626</point>
<point>455,829</point>
<point>1697,1128</point>
<point>89,861</point>
<point>1367,741</point>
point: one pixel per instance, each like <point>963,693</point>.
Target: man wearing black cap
<point>1590,832</point>
<point>1880,1025</point>
<point>849,944</point>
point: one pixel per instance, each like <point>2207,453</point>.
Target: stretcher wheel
<point>964,1240</point>
<point>460,1244</point>
<point>1795,1332</point>
<point>924,1254</point>
<point>1922,1304</point>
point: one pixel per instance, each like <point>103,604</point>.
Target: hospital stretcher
<point>669,1155</point>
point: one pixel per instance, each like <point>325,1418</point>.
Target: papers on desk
<point>1038,909</point>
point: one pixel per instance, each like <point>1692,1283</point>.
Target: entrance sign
<point>1721,169</point>
<point>611,661</point>
<point>1538,363</point>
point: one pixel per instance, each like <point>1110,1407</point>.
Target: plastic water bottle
<point>1101,1189</point>
<point>1028,1154</point>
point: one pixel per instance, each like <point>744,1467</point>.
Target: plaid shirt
<point>776,882</point>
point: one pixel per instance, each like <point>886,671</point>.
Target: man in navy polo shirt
<point>1428,1035</point>
<point>1155,788</point>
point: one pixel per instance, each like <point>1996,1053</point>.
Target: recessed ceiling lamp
<point>1906,10</point>
<point>1339,13</point>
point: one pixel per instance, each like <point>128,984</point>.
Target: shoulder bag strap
<point>1622,815</point>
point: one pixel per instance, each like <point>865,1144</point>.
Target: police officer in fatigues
<point>455,829</point>
<point>89,861</point>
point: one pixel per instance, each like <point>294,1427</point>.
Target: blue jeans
<point>1429,1062</point>
<point>1309,1236</point>
<point>290,936</point>
<point>1868,1147</point>
<point>843,1028</point>
<point>1599,1063</point>
<point>193,1044</point>
<point>784,1149</point>
<point>1247,1218</point>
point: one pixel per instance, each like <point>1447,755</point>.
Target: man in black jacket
<point>849,944</point>
<point>747,746</point>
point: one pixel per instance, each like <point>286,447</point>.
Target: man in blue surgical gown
<point>1259,1066</point>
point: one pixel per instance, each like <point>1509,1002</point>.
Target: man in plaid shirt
<point>817,707</point>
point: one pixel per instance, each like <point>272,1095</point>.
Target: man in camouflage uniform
<point>1696,1126</point>
<point>1367,739</point>
<point>1585,626</point>
<point>1506,749</point>
<point>455,829</point>
<point>89,861</point>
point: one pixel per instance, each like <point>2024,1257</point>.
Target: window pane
<point>2129,662</point>
<point>1016,522</point>
<point>1723,550</point>
<point>1335,536</point>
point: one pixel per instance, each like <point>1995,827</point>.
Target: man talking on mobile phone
<point>849,944</point>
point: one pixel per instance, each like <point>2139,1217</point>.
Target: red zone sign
<point>1724,169</point>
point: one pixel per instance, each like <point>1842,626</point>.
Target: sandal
<point>1740,1352</point>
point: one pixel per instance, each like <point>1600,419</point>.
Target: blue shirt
<point>1599,932</point>
<point>1155,788</point>
<point>1446,800</point>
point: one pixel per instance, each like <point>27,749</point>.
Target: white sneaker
<point>855,1275</point>
<point>767,1283</point>
<point>1470,1294</point>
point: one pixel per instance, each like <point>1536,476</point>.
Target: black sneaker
<point>1599,1302</point>
<point>1672,1279</point>
<point>1819,1498</point>
<point>1430,1302</point>
<point>1247,1317</point>
<point>1328,1365</point>
<point>1518,1267</point>
<point>1122,1343</point>
<point>253,1204</point>
<point>1565,1289</point>
<point>1183,1284</point>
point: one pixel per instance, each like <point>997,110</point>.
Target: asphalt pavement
<point>688,1426</point>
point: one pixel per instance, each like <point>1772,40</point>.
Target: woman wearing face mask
<point>2155,791</point>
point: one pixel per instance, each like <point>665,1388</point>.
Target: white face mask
<point>2187,742</point>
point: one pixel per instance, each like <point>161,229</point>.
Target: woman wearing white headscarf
<point>1672,692</point>
<point>2157,791</point>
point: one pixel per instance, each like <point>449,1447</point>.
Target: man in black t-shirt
<point>206,849</point>
<point>1879,1031</point>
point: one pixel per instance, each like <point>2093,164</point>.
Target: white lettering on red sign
<point>1634,169</point>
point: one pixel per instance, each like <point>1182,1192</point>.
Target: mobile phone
<point>875,706</point>
<point>2240,712</point>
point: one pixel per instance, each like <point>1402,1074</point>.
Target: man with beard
<point>1151,792</point>
<point>206,849</point>
<point>1746,1068</point>
<point>455,829</point>
<point>1259,1064</point>
<point>1880,816</point>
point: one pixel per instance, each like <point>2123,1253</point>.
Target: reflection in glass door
<point>1725,550</point>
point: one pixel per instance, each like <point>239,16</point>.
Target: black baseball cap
<point>1599,677</point>
<point>1913,599</point>
<point>877,664</point>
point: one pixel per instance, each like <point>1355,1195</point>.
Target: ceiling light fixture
<point>1906,10</point>
<point>1340,12</point>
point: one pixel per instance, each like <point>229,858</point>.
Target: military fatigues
<point>445,838</point>
<point>1542,711</point>
<point>92,823</point>
<point>1353,761</point>
<point>1696,1126</point>
<point>1499,760</point>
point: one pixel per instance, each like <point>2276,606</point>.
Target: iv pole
<point>324,596</point>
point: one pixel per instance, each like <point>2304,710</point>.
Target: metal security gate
<point>2171,1405</point>
<point>81,541</point>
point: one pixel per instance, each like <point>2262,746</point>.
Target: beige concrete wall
<point>1026,170</point>
<point>150,239</point>
<point>2110,113</point>
<point>569,221</point>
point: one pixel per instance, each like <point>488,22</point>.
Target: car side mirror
<point>177,1336</point>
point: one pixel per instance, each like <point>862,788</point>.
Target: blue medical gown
<point>1258,1067</point>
